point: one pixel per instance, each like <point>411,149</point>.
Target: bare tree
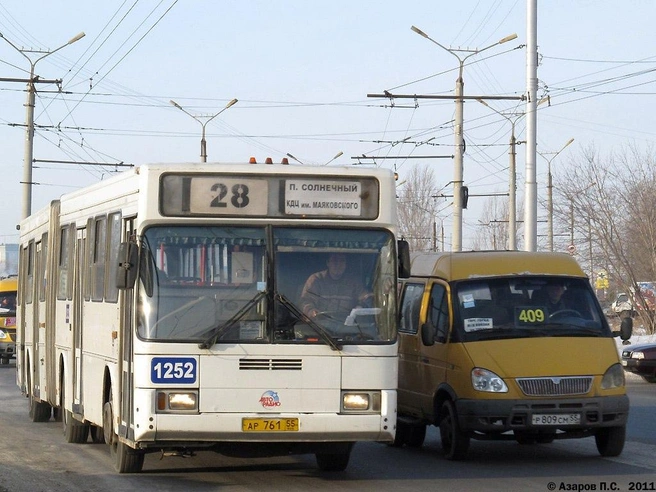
<point>417,209</point>
<point>493,231</point>
<point>608,207</point>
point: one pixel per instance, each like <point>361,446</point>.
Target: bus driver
<point>333,292</point>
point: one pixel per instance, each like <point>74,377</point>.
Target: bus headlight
<point>613,377</point>
<point>177,401</point>
<point>361,401</point>
<point>484,380</point>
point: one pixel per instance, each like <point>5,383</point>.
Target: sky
<point>303,73</point>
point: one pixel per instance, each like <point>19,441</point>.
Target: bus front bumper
<point>208,429</point>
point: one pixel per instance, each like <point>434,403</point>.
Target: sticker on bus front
<point>179,370</point>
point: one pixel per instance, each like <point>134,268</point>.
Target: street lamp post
<point>203,143</point>
<point>550,194</point>
<point>512,180</point>
<point>458,137</point>
<point>29,120</point>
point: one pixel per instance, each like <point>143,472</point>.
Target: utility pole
<point>29,119</point>
<point>458,202</point>
<point>512,179</point>
<point>550,194</point>
<point>531,185</point>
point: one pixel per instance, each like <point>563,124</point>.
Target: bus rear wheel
<point>97,434</point>
<point>74,431</point>
<point>39,411</point>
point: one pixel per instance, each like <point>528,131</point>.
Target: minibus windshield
<point>527,306</point>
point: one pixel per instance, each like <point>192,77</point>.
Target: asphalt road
<point>35,457</point>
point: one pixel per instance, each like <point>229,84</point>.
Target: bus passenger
<point>333,292</point>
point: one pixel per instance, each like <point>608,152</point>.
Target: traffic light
<point>465,196</point>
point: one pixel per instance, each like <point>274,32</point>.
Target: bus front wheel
<point>126,459</point>
<point>337,460</point>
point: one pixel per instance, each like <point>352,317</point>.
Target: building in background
<point>8,259</point>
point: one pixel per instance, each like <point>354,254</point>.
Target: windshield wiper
<point>577,331</point>
<point>320,330</point>
<point>219,330</point>
<point>501,334</point>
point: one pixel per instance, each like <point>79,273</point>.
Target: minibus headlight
<point>3,334</point>
<point>177,401</point>
<point>613,378</point>
<point>361,401</point>
<point>484,380</point>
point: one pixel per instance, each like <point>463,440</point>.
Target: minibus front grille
<point>576,385</point>
<point>270,364</point>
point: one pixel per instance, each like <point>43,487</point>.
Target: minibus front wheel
<point>610,440</point>
<point>454,442</point>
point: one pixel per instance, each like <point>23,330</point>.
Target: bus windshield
<point>267,285</point>
<point>514,307</point>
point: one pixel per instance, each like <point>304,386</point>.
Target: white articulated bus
<point>161,311</point>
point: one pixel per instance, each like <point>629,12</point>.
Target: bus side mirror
<point>403,248</point>
<point>127,265</point>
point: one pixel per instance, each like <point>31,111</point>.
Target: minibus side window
<point>438,312</point>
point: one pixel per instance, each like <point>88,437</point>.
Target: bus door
<point>20,322</point>
<point>78,317</point>
<point>38,330</point>
<point>126,302</point>
<point>44,319</point>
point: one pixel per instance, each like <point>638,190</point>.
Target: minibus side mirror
<point>126,274</point>
<point>403,249</point>
<point>428,334</point>
<point>626,330</point>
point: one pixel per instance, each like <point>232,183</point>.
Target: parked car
<point>622,305</point>
<point>641,360</point>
